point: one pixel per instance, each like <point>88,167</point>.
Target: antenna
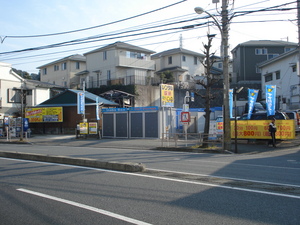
<point>180,41</point>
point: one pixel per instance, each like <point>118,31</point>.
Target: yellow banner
<point>83,128</point>
<point>39,115</point>
<point>259,129</point>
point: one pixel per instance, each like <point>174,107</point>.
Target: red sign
<point>185,117</point>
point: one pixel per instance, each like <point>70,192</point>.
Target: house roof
<point>177,51</point>
<point>258,43</point>
<point>37,83</point>
<point>76,57</point>
<point>174,68</point>
<point>278,58</point>
<point>69,98</point>
<point>121,45</point>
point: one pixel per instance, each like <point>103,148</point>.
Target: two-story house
<point>62,72</point>
<point>185,65</point>
<point>117,63</point>
<point>12,86</point>
<point>246,56</point>
<point>282,71</point>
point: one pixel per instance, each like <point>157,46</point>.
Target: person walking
<point>272,130</point>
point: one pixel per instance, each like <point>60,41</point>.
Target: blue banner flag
<point>252,96</point>
<point>97,108</point>
<point>80,103</point>
<point>230,102</point>
<point>270,99</point>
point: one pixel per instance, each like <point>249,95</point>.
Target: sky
<point>30,28</point>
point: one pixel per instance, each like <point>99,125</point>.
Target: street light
<point>225,59</point>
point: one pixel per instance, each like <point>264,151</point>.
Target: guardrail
<point>190,139</point>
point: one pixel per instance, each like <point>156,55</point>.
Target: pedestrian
<point>272,130</point>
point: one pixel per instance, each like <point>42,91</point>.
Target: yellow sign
<point>83,127</point>
<point>259,129</point>
<point>167,95</point>
<point>39,115</point>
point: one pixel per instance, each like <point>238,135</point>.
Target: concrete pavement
<point>243,147</point>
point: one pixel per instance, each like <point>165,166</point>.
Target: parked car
<point>295,115</point>
<point>263,116</point>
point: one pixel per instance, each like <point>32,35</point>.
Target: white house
<point>62,72</point>
<point>184,64</point>
<point>11,87</point>
<point>282,72</point>
<point>117,63</point>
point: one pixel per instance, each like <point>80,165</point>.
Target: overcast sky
<point>22,20</point>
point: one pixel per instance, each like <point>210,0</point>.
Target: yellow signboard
<point>167,95</point>
<point>39,115</point>
<point>83,128</point>
<point>259,129</point>
<point>93,128</point>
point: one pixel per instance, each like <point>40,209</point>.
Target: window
<point>277,75</point>
<point>170,60</point>
<point>135,55</point>
<point>63,66</point>
<point>105,55</point>
<point>183,58</point>
<point>195,60</point>
<point>13,96</point>
<point>268,77</point>
<point>271,56</point>
<point>45,71</point>
<point>294,68</point>
<point>56,67</point>
<point>261,51</point>
<point>287,49</point>
<point>258,70</point>
<point>77,65</point>
<point>108,75</point>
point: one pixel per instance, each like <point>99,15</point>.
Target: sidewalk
<point>243,146</point>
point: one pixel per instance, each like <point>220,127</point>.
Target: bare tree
<point>208,81</point>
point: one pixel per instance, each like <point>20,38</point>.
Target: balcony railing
<point>135,63</point>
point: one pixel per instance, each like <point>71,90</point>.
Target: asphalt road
<point>43,193</point>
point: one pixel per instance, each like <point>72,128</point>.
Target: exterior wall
<point>65,78</point>
<point>69,124</point>
<point>288,86</point>
<point>245,61</point>
<point>123,70</point>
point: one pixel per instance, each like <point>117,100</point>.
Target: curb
<point>87,162</point>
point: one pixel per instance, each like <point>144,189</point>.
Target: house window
<point>45,71</point>
<point>271,56</point>
<point>105,55</point>
<point>13,96</point>
<point>289,49</point>
<point>195,60</point>
<point>77,65</point>
<point>56,67</point>
<point>261,51</point>
<point>183,58</point>
<point>136,55</point>
<point>108,75</point>
<point>294,68</point>
<point>277,75</point>
<point>170,60</point>
<point>63,66</point>
<point>268,77</point>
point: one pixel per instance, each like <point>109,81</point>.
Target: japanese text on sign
<point>167,95</point>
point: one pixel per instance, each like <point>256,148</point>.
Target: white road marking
<point>229,178</point>
<point>93,209</point>
<point>171,179</point>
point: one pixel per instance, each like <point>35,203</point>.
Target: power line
<point>88,28</point>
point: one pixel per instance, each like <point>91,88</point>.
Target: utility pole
<point>226,116</point>
<point>298,17</point>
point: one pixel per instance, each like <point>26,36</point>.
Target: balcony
<point>135,63</point>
